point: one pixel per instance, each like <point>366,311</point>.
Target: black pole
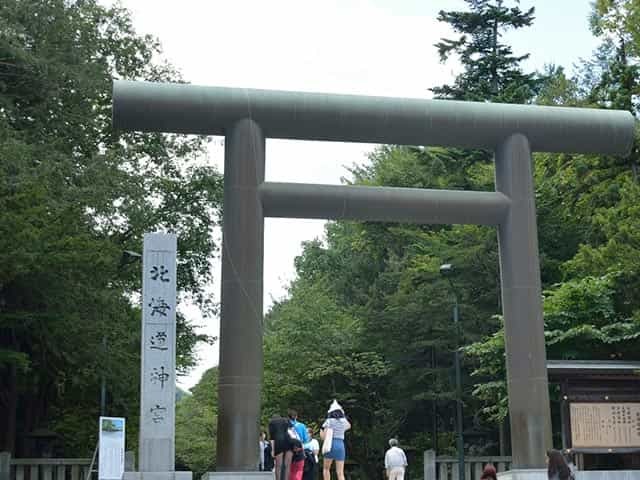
<point>103,386</point>
<point>434,406</point>
<point>460,440</point>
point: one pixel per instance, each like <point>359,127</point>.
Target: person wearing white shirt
<point>395,461</point>
<point>312,444</point>
<point>311,467</point>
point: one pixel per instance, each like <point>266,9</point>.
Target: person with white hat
<point>332,433</point>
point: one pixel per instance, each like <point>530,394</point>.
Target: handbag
<point>328,440</point>
<point>309,461</point>
<point>293,434</point>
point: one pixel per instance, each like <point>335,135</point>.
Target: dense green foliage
<point>74,195</point>
<point>196,426</point>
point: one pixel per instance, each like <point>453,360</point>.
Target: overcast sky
<point>370,47</point>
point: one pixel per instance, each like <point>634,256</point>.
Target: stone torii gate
<point>246,117</point>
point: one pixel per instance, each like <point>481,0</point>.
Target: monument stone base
<point>158,476</point>
<point>238,476</point>
<point>524,474</point>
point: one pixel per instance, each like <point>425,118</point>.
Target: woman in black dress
<point>281,447</point>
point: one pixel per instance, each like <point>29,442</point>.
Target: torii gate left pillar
<point>240,370</point>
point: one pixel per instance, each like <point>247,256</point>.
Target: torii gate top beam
<point>181,108</point>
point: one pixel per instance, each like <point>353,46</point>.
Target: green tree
<point>620,20</point>
<point>75,194</point>
<point>613,76</point>
<point>583,321</point>
<point>196,426</point>
<point>491,70</point>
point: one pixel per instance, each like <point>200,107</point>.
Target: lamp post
<point>446,270</point>
<point>103,382</point>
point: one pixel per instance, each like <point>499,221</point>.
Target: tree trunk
<point>494,57</point>
<point>9,444</point>
<point>10,400</point>
<point>629,83</point>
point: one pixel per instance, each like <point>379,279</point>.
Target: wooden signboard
<point>605,425</point>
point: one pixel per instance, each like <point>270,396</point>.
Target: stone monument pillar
<point>158,361</point>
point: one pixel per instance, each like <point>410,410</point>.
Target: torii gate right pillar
<point>527,384</point>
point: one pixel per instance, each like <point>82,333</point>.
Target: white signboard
<point>111,454</point>
<point>157,406</point>
<point>605,425</point>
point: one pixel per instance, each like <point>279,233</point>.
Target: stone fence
<point>50,468</point>
<point>446,468</point>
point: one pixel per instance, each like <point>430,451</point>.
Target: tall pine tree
<point>491,71</point>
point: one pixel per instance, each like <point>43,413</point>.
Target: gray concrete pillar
<point>240,370</point>
<point>522,307</point>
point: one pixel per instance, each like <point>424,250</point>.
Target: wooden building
<point>600,412</point>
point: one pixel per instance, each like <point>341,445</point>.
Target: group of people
<point>292,452</point>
